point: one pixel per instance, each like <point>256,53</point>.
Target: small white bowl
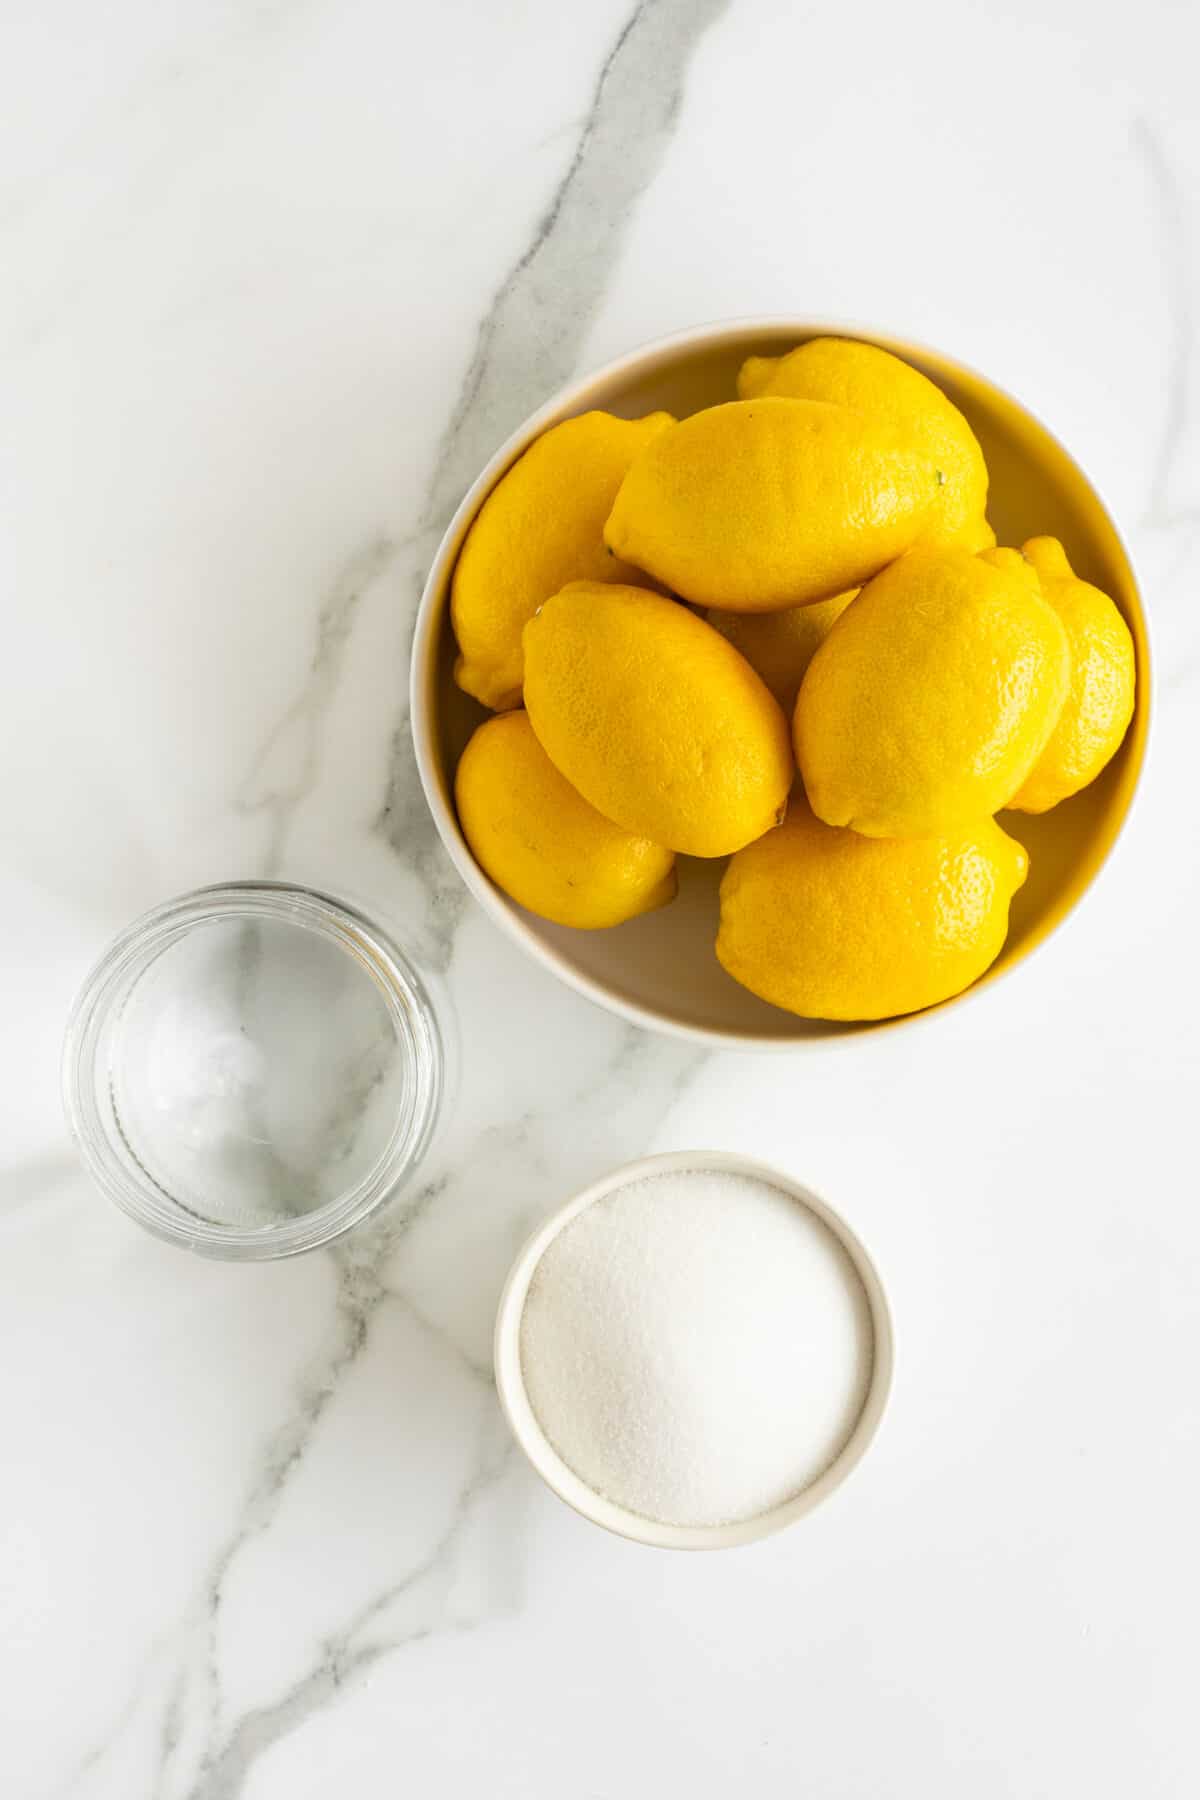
<point>510,1381</point>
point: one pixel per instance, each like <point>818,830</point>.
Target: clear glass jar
<point>251,1070</point>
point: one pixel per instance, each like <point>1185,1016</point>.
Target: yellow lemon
<point>763,504</point>
<point>976,537</point>
<point>1099,704</point>
<point>832,925</point>
<point>540,527</point>
<point>657,721</point>
<point>543,844</point>
<point>873,381</point>
<point>933,696</point>
<point>780,645</point>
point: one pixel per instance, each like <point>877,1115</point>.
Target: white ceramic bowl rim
<point>563,1481</point>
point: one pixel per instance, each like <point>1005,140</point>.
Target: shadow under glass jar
<point>250,1070</point>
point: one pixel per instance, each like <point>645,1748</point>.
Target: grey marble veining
<point>204,1752</point>
<point>527,343</point>
<point>1178,250</point>
<point>282,280</point>
<point>284,768</point>
<point>529,338</point>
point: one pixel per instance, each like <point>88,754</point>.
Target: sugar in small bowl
<point>694,1352</point>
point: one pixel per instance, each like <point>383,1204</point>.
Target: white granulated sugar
<point>697,1347</point>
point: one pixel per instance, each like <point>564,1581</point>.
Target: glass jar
<point>252,1069</point>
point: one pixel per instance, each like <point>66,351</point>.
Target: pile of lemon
<point>670,617</point>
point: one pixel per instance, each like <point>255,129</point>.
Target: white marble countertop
<point>278,277</point>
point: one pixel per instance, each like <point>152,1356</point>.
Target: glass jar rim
<point>111,1160</point>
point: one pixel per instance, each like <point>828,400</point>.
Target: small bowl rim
<point>570,1487</point>
<point>431,619</point>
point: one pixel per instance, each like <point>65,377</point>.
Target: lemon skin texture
<point>831,925</point>
<point>657,721</point>
<point>1099,704</point>
<point>543,844</point>
<point>758,505</point>
<point>540,527</point>
<point>850,373</point>
<point>933,696</point>
<point>779,646</point>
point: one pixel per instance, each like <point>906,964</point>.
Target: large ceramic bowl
<point>660,970</point>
